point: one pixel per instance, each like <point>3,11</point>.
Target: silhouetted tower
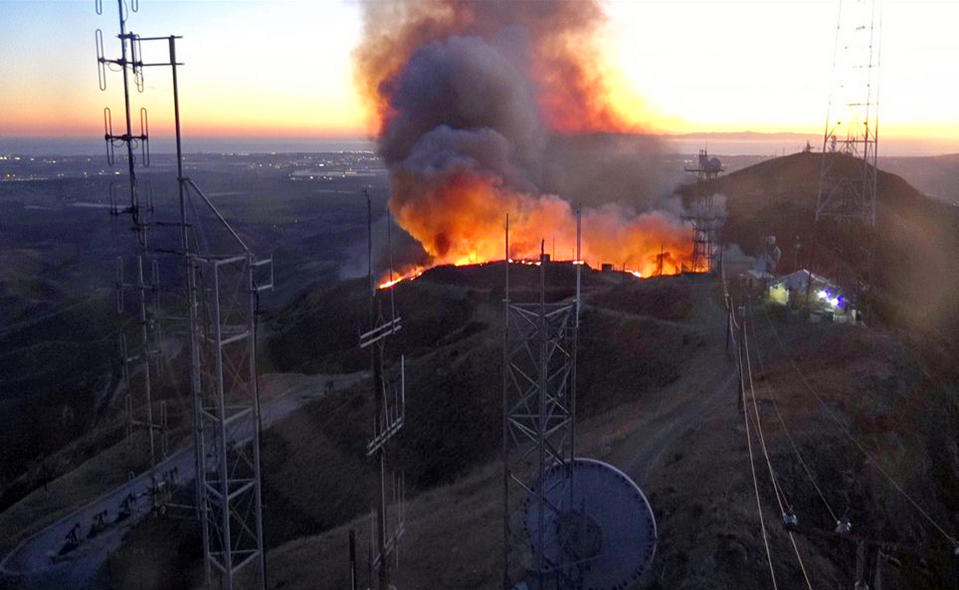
<point>217,294</point>
<point>387,518</point>
<point>847,180</point>
<point>225,288</point>
<point>539,415</point>
<point>139,358</point>
<point>704,217</point>
<point>704,167</point>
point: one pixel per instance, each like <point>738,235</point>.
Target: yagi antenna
<point>144,136</point>
<point>222,326</point>
<point>389,398</point>
<point>101,61</point>
<point>108,133</point>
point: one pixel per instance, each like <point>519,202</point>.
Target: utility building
<point>824,299</point>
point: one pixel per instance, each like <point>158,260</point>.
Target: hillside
<point>682,438</point>
<point>452,336</point>
<point>914,269</point>
<point>936,176</point>
<point>658,399</point>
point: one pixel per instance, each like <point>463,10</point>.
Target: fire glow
<point>469,95</point>
<point>466,227</point>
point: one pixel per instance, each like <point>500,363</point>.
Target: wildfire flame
<point>408,275</point>
<point>461,221</point>
<point>467,95</point>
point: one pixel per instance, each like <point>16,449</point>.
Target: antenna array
<point>847,179</point>
<point>704,219</point>
<point>140,359</point>
<point>706,223</point>
<point>387,518</point>
<point>220,285</point>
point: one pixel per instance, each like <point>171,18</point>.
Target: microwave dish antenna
<point>605,528</point>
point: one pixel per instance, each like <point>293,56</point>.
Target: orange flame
<point>461,221</point>
<point>408,275</point>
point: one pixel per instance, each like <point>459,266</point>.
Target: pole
<point>389,248</point>
<point>376,357</point>
<point>223,475</point>
<point>352,559</point>
<point>257,420</point>
<point>506,581</point>
<point>742,345</point>
<point>140,227</point>
<point>541,423</point>
<point>729,322</point>
<point>572,385</point>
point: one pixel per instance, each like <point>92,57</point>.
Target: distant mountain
<point>936,176</point>
<point>747,135</point>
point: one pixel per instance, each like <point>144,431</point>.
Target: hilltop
<point>681,435</point>
<point>659,401</point>
<point>914,270</point>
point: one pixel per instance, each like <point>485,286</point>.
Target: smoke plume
<point>489,107</point>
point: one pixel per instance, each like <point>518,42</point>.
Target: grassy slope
<point>699,484</point>
<point>453,392</point>
<point>915,269</point>
<point>701,489</point>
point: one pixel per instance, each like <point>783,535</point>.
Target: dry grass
<point>700,484</point>
<point>682,439</point>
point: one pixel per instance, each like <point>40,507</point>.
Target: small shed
<point>803,288</point>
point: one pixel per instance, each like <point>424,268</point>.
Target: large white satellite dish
<point>604,531</point>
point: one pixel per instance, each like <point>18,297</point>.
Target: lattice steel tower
<point>704,217</point>
<point>216,296</point>
<point>539,415</point>
<point>847,180</point>
<point>224,312</point>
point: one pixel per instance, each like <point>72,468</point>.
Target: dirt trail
<point>709,383</point>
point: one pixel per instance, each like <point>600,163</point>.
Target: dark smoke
<point>489,107</point>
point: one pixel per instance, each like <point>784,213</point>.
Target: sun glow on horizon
<point>284,69</point>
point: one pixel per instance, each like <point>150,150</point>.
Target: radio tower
<point>140,361</point>
<point>389,399</point>
<point>704,218</point>
<point>219,297</point>
<point>847,180</point>
<point>539,419</point>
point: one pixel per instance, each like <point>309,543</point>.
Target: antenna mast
<point>140,361</point>
<point>539,412</point>
<point>389,398</point>
<point>221,285</point>
<point>704,218</point>
<point>847,178</point>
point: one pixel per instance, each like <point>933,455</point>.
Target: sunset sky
<point>282,69</point>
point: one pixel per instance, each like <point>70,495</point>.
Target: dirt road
<point>35,562</point>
